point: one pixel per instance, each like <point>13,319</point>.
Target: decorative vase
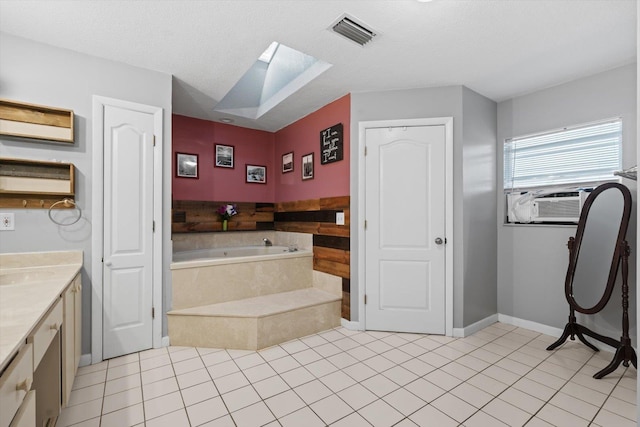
<point>224,225</point>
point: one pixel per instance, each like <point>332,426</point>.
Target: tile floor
<point>500,376</point>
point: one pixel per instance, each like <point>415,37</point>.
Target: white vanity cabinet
<point>40,334</point>
<point>71,336</point>
<point>15,383</point>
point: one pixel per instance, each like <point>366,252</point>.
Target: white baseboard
<point>165,341</point>
<point>528,324</point>
<point>354,326</point>
<point>475,327</point>
<point>85,360</point>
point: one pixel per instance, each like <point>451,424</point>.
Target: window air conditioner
<point>553,207</point>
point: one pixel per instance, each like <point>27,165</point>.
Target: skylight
<point>278,73</point>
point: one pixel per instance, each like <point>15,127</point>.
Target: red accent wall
<point>197,136</point>
<point>303,137</point>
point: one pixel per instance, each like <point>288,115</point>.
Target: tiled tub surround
<point>249,302</point>
<point>40,310</point>
<point>500,376</point>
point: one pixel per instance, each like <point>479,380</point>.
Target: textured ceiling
<point>500,48</point>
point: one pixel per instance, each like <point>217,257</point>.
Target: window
<point>578,155</point>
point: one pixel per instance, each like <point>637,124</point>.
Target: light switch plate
<point>7,221</point>
<point>339,218</point>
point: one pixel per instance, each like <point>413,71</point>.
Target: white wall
<point>41,74</point>
<point>532,259</point>
<point>473,177</point>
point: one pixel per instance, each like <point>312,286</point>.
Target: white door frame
<point>448,124</point>
<point>97,206</point>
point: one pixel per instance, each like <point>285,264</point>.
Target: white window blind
<point>585,154</point>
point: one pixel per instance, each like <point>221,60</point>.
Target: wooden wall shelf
<point>32,184</point>
<point>36,121</point>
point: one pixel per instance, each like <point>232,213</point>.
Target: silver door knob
<point>438,241</point>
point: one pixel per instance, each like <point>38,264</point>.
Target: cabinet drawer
<point>26,416</point>
<point>45,332</point>
<point>15,383</point>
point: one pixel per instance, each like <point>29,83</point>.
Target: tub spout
<point>267,242</point>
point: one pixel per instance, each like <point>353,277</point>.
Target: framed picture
<point>224,156</point>
<point>307,166</point>
<point>256,174</point>
<point>287,162</point>
<point>186,165</point>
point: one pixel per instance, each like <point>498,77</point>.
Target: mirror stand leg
<point>571,331</point>
<point>624,354</point>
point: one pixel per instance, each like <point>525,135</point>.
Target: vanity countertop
<point>30,284</point>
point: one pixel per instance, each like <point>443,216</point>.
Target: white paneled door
<point>405,229</point>
<point>128,231</point>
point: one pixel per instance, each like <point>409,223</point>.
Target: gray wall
<point>41,74</point>
<point>479,206</point>
<point>532,259</point>
<point>443,102</point>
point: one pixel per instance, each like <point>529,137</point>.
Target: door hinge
<point>154,227</point>
<point>365,224</point>
<point>365,150</point>
<point>154,140</point>
<point>365,299</point>
<point>153,312</point>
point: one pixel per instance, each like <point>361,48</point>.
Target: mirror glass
<point>597,247</point>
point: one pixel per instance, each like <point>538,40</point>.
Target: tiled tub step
<point>255,323</point>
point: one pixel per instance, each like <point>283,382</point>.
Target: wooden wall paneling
<point>201,216</point>
<point>333,255</point>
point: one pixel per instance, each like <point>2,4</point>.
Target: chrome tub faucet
<point>267,242</point>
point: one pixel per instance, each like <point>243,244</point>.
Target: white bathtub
<point>233,255</point>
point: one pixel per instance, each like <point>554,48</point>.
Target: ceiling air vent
<point>349,28</point>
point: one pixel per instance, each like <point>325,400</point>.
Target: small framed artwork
<point>186,165</point>
<point>224,156</point>
<point>256,174</point>
<point>307,166</point>
<point>287,162</point>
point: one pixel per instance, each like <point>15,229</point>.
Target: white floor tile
<point>231,382</point>
<point>253,416</point>
<point>331,409</point>
<point>208,410</point>
<point>199,393</point>
<point>240,398</point>
<point>174,419</point>
<point>126,417</point>
<point>303,417</point>
<point>380,414</point>
<point>284,403</point>
<point>297,376</point>
<point>270,387</point>
<point>354,378</point>
<point>357,396</point>
<point>353,420</point>
<point>431,416</point>
<point>114,402</point>
<point>159,388</point>
<point>163,405</point>
<point>312,391</point>
<point>404,401</point>
<point>454,407</point>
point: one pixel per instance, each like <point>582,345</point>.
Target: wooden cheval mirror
<point>596,254</point>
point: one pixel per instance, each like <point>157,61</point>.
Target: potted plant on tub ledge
<point>226,212</point>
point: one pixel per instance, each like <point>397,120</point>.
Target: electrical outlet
<point>7,221</point>
<point>339,218</point>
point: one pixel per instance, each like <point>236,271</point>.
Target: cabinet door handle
<point>54,326</point>
<point>24,385</point>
